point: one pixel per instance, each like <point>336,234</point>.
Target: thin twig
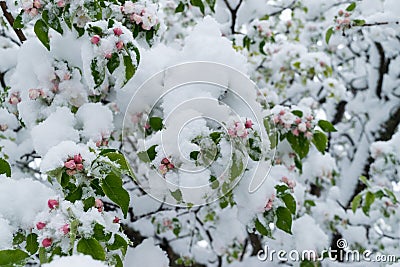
<point>10,20</point>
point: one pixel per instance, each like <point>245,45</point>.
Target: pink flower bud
<point>297,121</point>
<point>165,161</point>
<point>136,18</point>
<point>119,45</point>
<point>296,132</point>
<point>47,242</point>
<point>270,203</point>
<point>37,4</point>
<point>341,12</point>
<point>309,135</point>
<point>117,31</point>
<point>347,14</point>
<point>14,99</point>
<point>70,172</point>
<point>79,167</point>
<point>116,220</point>
<point>163,169</point>
<point>308,125</point>
<point>3,127</point>
<point>78,159</point>
<point>339,21</point>
<point>147,126</point>
<point>282,112</point>
<point>108,55</point>
<point>285,179</point>
<point>33,12</point>
<point>310,118</point>
<point>33,94</point>
<point>61,3</point>
<point>70,164</point>
<point>248,124</point>
<point>170,166</point>
<point>98,203</point>
<point>53,203</point>
<point>232,132</point>
<point>276,119</point>
<point>40,225</point>
<point>65,229</point>
<point>346,21</point>
<point>95,39</point>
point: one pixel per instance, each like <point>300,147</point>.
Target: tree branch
<point>10,20</point>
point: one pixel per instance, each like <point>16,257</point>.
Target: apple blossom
<point>40,225</point>
<point>95,39</point>
<point>52,203</point>
<point>117,31</point>
<point>47,242</point>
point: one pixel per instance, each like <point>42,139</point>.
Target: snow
<point>96,121</point>
<point>146,255</point>
<point>6,234</point>
<point>58,154</point>
<point>61,124</point>
<point>76,261</point>
<point>22,200</point>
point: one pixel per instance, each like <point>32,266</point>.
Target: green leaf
<point>326,126</point>
<point>355,203</point>
<point>211,4</point>
<point>118,261</point>
<point>42,32</point>
<point>18,238</point>
<point>216,137</point>
<point>5,168</point>
<point>351,7</point>
<point>369,199</point>
<point>119,243</point>
<point>390,195</point>
<point>320,141</point>
<point>53,22</point>
<point>199,4</point>
<point>32,245</point>
<point>73,226</point>
<point>261,47</point>
<point>177,194</point>
<point>237,166</point>
<point>88,203</point>
<point>18,22</point>
<point>299,144</point>
<point>112,187</point>
<point>262,229</point>
<point>290,202</point>
<point>95,184</point>
<point>284,219</point>
<point>149,155</point>
<point>358,22</point>
<point>194,155</point>
<point>298,113</point>
<point>120,159</point>
<point>364,180</point>
<point>98,73</point>
<point>180,8</point>
<point>328,34</point>
<point>156,123</point>
<point>130,69</point>
<point>99,234</point>
<point>42,255</point>
<point>92,248</point>
<point>12,257</point>
<point>75,193</point>
<point>113,62</point>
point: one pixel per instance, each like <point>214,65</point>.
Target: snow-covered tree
<point>198,133</point>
